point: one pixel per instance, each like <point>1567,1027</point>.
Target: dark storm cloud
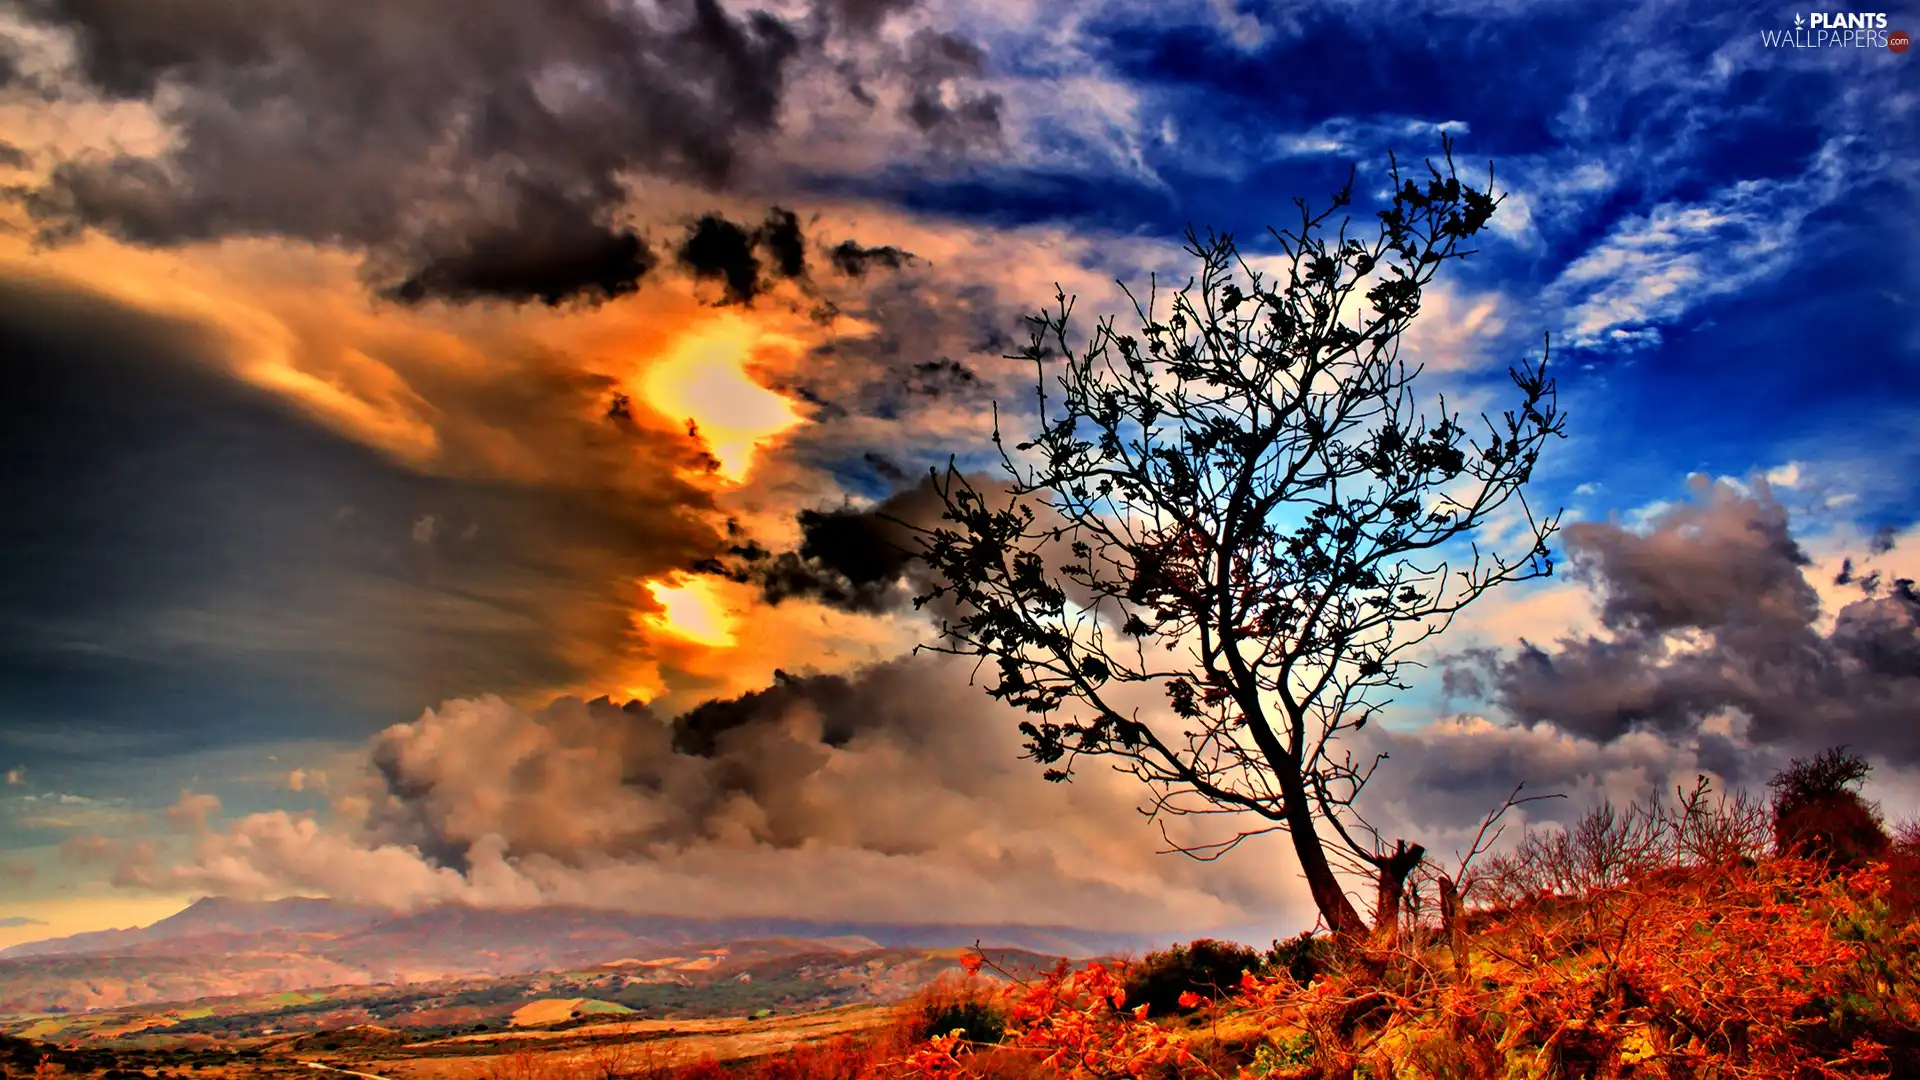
<point>943,377</point>
<point>478,148</point>
<point>169,530</point>
<point>551,252</point>
<point>784,244</point>
<point>1709,611</point>
<point>854,559</point>
<point>720,250</point>
<point>853,260</point>
<point>935,61</point>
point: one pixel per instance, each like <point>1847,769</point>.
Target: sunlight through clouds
<point>704,382</point>
<point>693,611</point>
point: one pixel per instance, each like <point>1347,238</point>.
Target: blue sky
<point>266,510</point>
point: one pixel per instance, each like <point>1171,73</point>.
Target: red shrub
<point>1817,814</point>
<point>1903,872</point>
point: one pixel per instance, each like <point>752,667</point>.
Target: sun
<point>703,381</point>
<point>692,610</point>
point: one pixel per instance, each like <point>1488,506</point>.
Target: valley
<point>229,989</point>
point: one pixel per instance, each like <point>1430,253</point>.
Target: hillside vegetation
<point>1712,938</point>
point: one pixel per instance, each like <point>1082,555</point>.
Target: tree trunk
<point>1394,870</point>
<point>1453,918</point>
<point>1328,896</point>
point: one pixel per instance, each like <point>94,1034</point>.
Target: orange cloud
<point>587,407</point>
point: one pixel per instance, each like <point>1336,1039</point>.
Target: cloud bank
<point>1712,626</point>
<point>893,794</point>
<point>471,151</point>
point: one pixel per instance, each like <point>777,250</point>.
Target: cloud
<point>551,249</point>
<point>561,479</point>
<point>1363,138</point>
<point>15,922</point>
<point>307,780</point>
<point>895,793</point>
<point>719,250</point>
<point>1651,269</point>
<point>87,848</point>
<point>1444,777</point>
<point>65,811</point>
<point>852,259</point>
<point>851,558</point>
<point>471,152</point>
<point>1709,620</point>
<point>508,557</point>
<point>190,813</point>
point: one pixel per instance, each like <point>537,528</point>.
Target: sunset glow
<point>705,382</point>
<point>692,611</point>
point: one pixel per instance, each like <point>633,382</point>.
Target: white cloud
<point>1363,138</point>
<point>67,811</point>
<point>1785,476</point>
<point>1651,269</point>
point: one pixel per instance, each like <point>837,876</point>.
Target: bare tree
<point>1229,530</point>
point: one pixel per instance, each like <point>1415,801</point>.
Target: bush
<point>1903,872</point>
<point>1818,815</point>
<point>976,1021</point>
<point>964,1005</point>
<point>1207,968</point>
<point>1299,958</point>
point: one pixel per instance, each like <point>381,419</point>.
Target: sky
<point>383,377</point>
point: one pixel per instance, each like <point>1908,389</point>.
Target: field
<point>625,1046</point>
<point>722,1004</point>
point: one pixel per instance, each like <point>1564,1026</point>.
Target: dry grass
<point>627,1048</point>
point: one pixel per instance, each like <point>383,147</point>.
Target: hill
<point>228,948</point>
<point>743,979</point>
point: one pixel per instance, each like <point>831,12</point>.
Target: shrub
<point>965,1005</point>
<point>1817,814</point>
<point>976,1021</point>
<point>1903,872</point>
<point>1207,968</point>
<point>1299,958</point>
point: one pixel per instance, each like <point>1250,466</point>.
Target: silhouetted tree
<point>1232,525</point>
<point>1817,813</point>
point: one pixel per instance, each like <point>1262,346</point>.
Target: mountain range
<point>222,947</point>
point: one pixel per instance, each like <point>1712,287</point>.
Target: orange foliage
<point>1644,945</point>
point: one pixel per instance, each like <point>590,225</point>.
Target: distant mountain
<point>574,933</point>
<point>213,915</point>
<point>222,947</point>
<point>745,979</point>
